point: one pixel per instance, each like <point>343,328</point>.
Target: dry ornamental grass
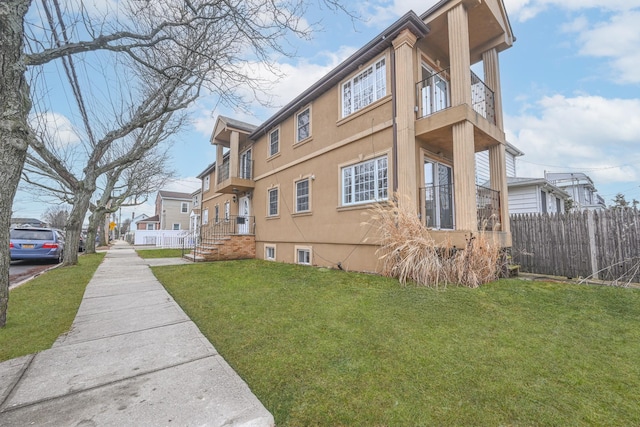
<point>409,253</point>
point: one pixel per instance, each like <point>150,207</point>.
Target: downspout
<point>395,122</point>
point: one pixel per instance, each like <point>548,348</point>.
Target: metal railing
<point>245,171</point>
<point>488,205</point>
<point>223,227</point>
<point>433,95</point>
<point>482,99</point>
<point>438,204</point>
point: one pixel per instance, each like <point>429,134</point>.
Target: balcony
<point>235,184</point>
<point>436,116</point>
<point>434,96</point>
<point>438,207</point>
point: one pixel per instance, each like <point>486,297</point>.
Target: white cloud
<point>54,129</point>
<point>589,134</point>
<point>618,40</point>
<point>523,10</point>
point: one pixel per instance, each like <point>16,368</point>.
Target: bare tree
<point>56,216</point>
<point>126,187</point>
<point>175,48</point>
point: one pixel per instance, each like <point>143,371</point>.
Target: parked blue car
<point>36,243</point>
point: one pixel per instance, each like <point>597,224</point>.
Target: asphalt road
<point>20,270</point>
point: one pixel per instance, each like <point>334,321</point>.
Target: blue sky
<point>571,89</point>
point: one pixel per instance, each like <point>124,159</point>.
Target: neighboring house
<point>535,195</point>
<point>149,223</point>
<point>404,114</point>
<point>136,219</point>
<point>194,216</point>
<point>173,210</point>
<point>526,195</point>
<point>580,188</point>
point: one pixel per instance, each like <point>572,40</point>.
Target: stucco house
<point>404,114</point>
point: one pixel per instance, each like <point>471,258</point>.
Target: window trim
<point>269,142</point>
<point>173,226</point>
<point>152,225</point>
<point>268,246</point>
<point>376,91</point>
<point>205,216</point>
<point>227,211</point>
<point>295,194</point>
<point>207,182</point>
<point>184,207</point>
<point>297,138</point>
<point>298,249</point>
<point>275,188</point>
<point>216,211</point>
<point>343,193</point>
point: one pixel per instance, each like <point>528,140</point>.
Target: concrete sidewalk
<point>132,357</point>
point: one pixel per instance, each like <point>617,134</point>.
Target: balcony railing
<point>488,205</point>
<point>482,99</point>
<point>439,207</point>
<point>245,171</point>
<point>438,204</point>
<point>433,94</point>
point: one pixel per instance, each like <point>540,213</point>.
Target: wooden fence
<point>603,244</point>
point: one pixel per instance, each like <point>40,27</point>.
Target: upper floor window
<point>184,207</point>
<point>364,88</point>
<point>273,201</point>
<point>206,183</point>
<point>227,211</point>
<point>274,142</point>
<point>302,195</point>
<point>303,124</point>
<point>365,182</point>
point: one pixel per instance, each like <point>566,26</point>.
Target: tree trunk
<point>14,130</point>
<point>74,225</point>
<point>90,243</point>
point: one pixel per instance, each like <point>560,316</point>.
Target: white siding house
<point>535,195</point>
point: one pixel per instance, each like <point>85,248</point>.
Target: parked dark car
<point>36,243</point>
<point>81,244</point>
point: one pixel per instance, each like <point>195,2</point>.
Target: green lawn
<point>44,308</point>
<point>322,347</point>
<point>159,253</point>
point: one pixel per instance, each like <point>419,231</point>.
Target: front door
<point>244,215</point>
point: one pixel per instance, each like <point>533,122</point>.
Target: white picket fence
<point>164,238</point>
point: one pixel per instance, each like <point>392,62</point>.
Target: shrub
<point>409,253</point>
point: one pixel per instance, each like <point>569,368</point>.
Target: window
<point>273,201</point>
<point>270,253</point>
<point>543,198</point>
<point>274,142</point>
<point>217,214</point>
<point>365,88</point>
<point>184,207</point>
<point>150,226</point>
<point>245,165</point>
<point>302,195</point>
<point>205,216</point>
<point>206,183</point>
<point>365,182</point>
<point>303,125</point>
<point>227,207</point>
<point>176,227</point>
<point>303,256</point>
